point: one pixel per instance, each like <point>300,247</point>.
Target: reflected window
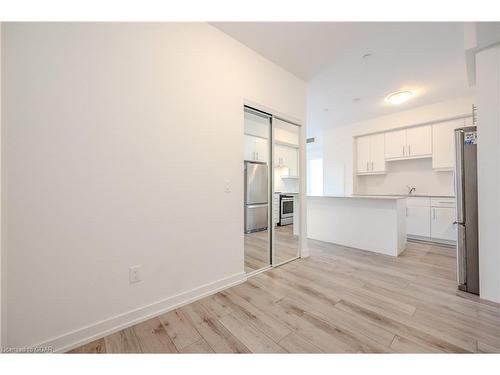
<point>315,177</point>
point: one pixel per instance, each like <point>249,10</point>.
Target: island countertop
<point>388,197</point>
<point>366,222</point>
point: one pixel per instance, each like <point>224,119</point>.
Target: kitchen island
<point>372,223</point>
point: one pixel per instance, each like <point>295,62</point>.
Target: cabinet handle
<point>404,150</point>
<point>409,150</point>
<point>434,213</point>
<point>367,166</point>
<point>406,211</point>
<point>372,165</point>
<point>257,156</point>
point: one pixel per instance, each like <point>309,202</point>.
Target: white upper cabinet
<point>293,161</point>
<point>262,149</point>
<point>409,143</point>
<point>287,157</point>
<point>256,149</point>
<point>419,141</point>
<point>377,152</point>
<point>257,129</point>
<point>395,144</point>
<point>443,144</point>
<point>370,154</point>
<point>249,148</point>
<point>363,154</point>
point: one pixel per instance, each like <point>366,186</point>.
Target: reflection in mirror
<point>257,188</point>
<point>286,191</point>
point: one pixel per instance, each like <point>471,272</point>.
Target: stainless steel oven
<point>286,209</point>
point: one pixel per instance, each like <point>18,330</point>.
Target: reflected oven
<point>286,210</point>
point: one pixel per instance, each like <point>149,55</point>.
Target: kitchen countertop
<point>386,197</point>
<point>408,195</point>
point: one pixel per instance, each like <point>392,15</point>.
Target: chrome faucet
<point>411,189</point>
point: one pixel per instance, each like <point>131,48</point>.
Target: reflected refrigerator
<point>467,216</point>
<point>256,196</point>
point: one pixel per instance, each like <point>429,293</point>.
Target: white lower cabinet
<point>417,221</point>
<point>431,219</point>
<point>442,227</point>
<point>276,208</point>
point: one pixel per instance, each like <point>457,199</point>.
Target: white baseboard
<point>108,326</point>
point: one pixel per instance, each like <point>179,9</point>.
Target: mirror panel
<point>256,167</point>
<point>286,188</point>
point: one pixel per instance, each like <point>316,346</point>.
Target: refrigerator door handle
<point>461,256</point>
<point>459,187</point>
<point>459,173</point>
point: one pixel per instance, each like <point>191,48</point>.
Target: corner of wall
<point>1,304</point>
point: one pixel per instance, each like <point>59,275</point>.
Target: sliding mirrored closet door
<point>286,188</point>
<point>257,187</point>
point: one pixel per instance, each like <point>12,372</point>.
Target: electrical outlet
<point>227,186</point>
<point>134,274</point>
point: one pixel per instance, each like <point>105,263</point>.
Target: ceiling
<point>427,57</point>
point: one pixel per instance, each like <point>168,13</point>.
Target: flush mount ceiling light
<point>399,97</point>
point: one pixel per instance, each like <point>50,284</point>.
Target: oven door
<point>286,208</point>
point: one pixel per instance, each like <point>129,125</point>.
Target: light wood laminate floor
<point>338,300</point>
<point>286,246</point>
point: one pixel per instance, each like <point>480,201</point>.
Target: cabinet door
<point>418,221</point>
<point>363,154</point>
<point>279,155</point>
<point>292,161</point>
<point>442,227</point>
<point>287,157</point>
<point>250,153</point>
<point>261,149</point>
<point>395,144</point>
<point>419,141</point>
<point>443,144</point>
<point>377,153</point>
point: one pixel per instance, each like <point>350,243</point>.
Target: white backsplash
<point>416,172</point>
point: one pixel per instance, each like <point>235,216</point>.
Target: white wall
<point>117,141</point>
<point>488,159</point>
<point>1,211</point>
<point>338,143</point>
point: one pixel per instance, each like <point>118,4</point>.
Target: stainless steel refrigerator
<point>467,222</point>
<point>256,196</point>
